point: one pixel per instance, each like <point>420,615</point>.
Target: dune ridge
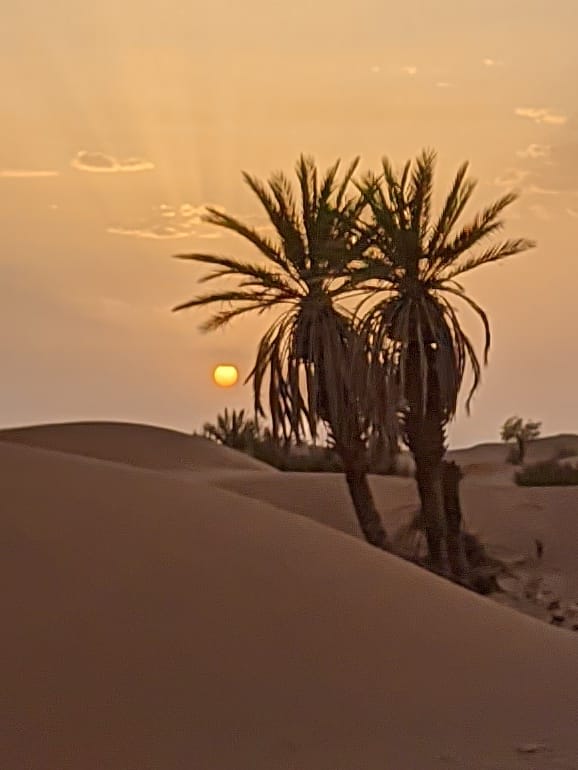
<point>145,446</point>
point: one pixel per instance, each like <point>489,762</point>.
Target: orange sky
<point>120,121</point>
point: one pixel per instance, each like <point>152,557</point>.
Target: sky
<point>122,121</point>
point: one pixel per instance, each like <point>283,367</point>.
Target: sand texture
<point>166,607</point>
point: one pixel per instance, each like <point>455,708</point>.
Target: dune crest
<point>144,446</point>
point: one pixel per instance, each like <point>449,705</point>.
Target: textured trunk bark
<point>365,510</point>
<point>351,449</point>
<point>455,540</point>
<point>429,479</point>
<point>425,436</point>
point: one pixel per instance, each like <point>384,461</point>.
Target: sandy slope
<point>505,516</point>
<point>144,446</point>
<point>155,624</point>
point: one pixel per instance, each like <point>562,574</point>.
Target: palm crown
<point>413,263</point>
<point>309,351</point>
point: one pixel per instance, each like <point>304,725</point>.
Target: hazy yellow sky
<point>120,120</point>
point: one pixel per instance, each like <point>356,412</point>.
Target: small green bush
<point>548,473</point>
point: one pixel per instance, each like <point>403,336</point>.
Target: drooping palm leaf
<point>411,270</point>
<point>311,355</point>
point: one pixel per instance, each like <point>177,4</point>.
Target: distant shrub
<point>548,473</point>
<point>566,451</point>
<point>316,460</point>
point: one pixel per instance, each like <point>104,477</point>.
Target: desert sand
<point>168,604</point>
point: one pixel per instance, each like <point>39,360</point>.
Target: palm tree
<point>232,430</point>
<point>413,330</point>
<point>522,432</point>
<point>311,352</point>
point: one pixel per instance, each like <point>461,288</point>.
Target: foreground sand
<point>153,620</point>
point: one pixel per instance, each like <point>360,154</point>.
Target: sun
<point>225,375</point>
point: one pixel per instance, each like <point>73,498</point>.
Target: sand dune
<point>156,624</point>
<point>540,449</point>
<point>507,517</point>
<point>144,446</point>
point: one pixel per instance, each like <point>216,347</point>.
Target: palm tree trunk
<point>351,448</point>
<point>455,539</point>
<point>356,467</point>
<point>425,437</point>
<point>430,487</point>
<point>367,514</point>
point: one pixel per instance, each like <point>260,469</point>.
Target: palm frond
<point>265,246</point>
<point>460,193</point>
<point>224,317</point>
<point>345,182</point>
<point>493,254</point>
<point>483,225</point>
<point>421,194</point>
<point>252,274</point>
<point>280,218</point>
<point>482,315</point>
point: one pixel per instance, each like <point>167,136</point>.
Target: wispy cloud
<point>169,223</point>
<point>535,151</point>
<point>488,62</point>
<point>541,115</point>
<point>376,69</point>
<point>410,70</point>
<point>98,162</point>
<point>443,84</point>
<point>537,190</point>
<point>552,170</point>
<point>530,181</point>
<point>20,173</point>
<point>511,177</point>
<point>150,232</point>
<point>572,213</point>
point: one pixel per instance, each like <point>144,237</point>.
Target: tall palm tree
<point>413,329</point>
<point>311,352</point>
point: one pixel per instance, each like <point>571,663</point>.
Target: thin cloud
<point>488,62</point>
<point>376,69</point>
<point>511,177</point>
<point>410,70</point>
<point>572,213</point>
<point>152,232</point>
<point>541,115</point>
<point>169,223</point>
<point>537,190</point>
<point>535,151</point>
<point>19,173</point>
<point>444,84</point>
<point>99,163</point>
<point>554,172</point>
